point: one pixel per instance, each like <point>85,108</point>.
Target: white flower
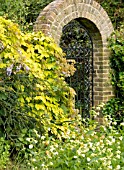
<point>98,108</point>
<point>118,152</point>
<point>34,160</point>
<point>35,141</point>
<point>112,139</point>
<point>42,137</point>
<point>120,137</point>
<point>109,149</point>
<point>42,165</point>
<point>55,153</point>
<point>30,146</point>
<point>83,155</point>
<point>61,149</point>
<point>110,167</point>
<point>114,123</point>
<point>73,136</point>
<point>56,145</point>
<point>122,124</point>
<point>78,151</point>
<point>68,132</point>
<point>82,137</point>
<point>52,148</point>
<point>18,68</point>
<point>93,155</point>
<point>118,167</point>
<point>75,157</point>
<point>98,143</point>
<point>118,156</point>
<point>108,142</point>
<point>28,139</point>
<point>90,144</point>
<point>93,148</point>
<point>51,163</point>
<point>88,159</point>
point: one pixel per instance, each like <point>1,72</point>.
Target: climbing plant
<point>115,107</point>
<point>33,91</point>
<point>117,61</point>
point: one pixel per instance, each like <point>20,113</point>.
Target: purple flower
<point>26,67</point>
<point>9,70</point>
<point>18,67</point>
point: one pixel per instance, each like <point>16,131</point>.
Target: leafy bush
<point>117,61</point>
<point>23,12</point>
<point>115,10</point>
<point>114,108</point>
<point>33,93</point>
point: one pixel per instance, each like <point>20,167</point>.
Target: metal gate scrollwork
<point>77,44</point>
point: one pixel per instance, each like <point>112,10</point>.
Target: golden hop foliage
<point>33,68</point>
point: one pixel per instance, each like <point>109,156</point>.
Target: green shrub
<point>33,91</point>
<point>115,10</point>
<point>23,12</point>
<point>116,43</point>
<point>114,108</point>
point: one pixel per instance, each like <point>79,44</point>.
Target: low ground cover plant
<point>82,147</point>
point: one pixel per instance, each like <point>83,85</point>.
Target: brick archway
<point>60,12</point>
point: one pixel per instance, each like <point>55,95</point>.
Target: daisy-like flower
<point>75,157</point>
<point>28,139</point>
<point>88,159</point>
<point>118,167</point>
<point>55,153</point>
<point>31,146</point>
<point>122,124</point>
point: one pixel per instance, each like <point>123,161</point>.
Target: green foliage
<point>116,43</point>
<point>4,153</point>
<point>84,147</point>
<point>115,10</point>
<point>115,108</point>
<point>23,12</point>
<point>33,91</point>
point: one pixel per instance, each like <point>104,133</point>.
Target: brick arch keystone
<point>60,12</point>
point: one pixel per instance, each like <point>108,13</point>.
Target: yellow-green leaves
<point>34,67</point>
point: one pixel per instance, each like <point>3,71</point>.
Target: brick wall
<point>60,12</point>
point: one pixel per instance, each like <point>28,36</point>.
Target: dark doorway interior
<point>77,44</point>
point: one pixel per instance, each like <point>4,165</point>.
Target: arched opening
<point>77,45</point>
<point>95,20</point>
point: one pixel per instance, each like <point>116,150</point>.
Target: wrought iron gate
<point>77,44</point>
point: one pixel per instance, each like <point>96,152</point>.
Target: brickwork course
<point>95,19</point>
